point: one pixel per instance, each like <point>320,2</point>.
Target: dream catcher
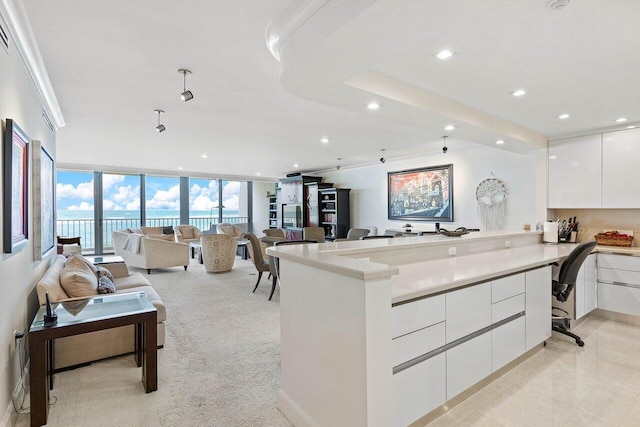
<point>491,195</point>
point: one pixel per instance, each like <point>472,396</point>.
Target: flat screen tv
<point>292,216</point>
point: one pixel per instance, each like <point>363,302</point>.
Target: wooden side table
<point>62,240</point>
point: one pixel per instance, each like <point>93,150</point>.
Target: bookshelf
<point>334,212</point>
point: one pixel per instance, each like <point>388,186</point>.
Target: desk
<point>89,315</point>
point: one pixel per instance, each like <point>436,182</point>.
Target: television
<point>292,216</point>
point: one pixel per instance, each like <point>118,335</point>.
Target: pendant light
<point>186,95</point>
<point>160,127</point>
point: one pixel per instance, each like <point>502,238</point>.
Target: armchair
<point>187,233</point>
<point>218,252</point>
<point>148,252</point>
<point>231,230</point>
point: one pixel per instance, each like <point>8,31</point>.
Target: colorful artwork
<point>421,194</point>
<point>15,191</point>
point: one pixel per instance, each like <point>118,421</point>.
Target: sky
<point>74,191</point>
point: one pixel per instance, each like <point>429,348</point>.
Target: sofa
<point>149,252</point>
<point>75,350</point>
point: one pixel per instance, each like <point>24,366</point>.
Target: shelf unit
<point>334,211</point>
<point>273,211</point>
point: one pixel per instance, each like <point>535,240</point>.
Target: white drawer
<point>416,315</point>
<point>508,307</point>
<point>417,343</point>
<point>620,276</point>
<point>468,310</point>
<point>507,343</point>
<point>419,390</point>
<point>507,287</point>
<point>621,299</point>
<point>467,364</point>
<point>620,262</point>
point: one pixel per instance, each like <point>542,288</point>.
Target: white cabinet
<point>406,318</point>
<point>417,343</point>
<point>619,283</point>
<point>586,285</point>
<point>507,343</point>
<point>538,306</point>
<point>575,172</point>
<point>507,287</point>
<point>620,172</point>
<point>468,310</point>
<point>467,364</point>
<point>419,390</point>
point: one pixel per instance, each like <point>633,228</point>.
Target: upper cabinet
<point>575,172</point>
<point>620,169</point>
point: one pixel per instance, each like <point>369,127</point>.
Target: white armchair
<point>187,233</point>
<point>150,252</point>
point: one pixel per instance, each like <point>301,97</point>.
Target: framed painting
<point>424,194</point>
<point>43,188</point>
<point>15,188</point>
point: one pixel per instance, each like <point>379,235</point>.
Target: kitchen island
<point>385,332</point>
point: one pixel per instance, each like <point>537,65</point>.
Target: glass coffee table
<point>85,315</point>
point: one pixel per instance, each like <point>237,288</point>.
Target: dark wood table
<point>81,316</point>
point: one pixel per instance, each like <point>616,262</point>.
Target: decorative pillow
<point>187,233</point>
<point>105,285</point>
<point>104,272</point>
<point>91,265</point>
<point>78,279</point>
<point>167,230</point>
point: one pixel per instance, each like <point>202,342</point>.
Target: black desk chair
<point>562,287</point>
<point>274,263</point>
<point>375,237</point>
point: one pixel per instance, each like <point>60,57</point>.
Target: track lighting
<point>186,95</point>
<point>339,167</point>
<point>160,127</point>
<point>382,159</point>
<point>444,146</point>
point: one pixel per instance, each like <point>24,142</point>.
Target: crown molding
<point>21,34</point>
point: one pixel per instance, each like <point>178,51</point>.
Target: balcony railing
<point>85,228</point>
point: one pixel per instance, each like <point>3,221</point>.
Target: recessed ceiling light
<point>204,156</point>
<point>180,167</point>
<point>258,173</point>
<point>444,54</point>
<point>552,157</point>
<point>324,140</point>
<point>449,127</point>
<point>621,120</point>
<point>373,106</point>
<point>563,116</point>
<point>631,127</point>
<point>296,165</point>
<point>519,92</point>
<point>500,142</point>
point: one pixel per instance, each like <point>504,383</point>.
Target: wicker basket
<point>613,241</point>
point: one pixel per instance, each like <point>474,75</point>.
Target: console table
<point>89,315</point>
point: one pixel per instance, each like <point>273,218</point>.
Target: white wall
<point>524,175</point>
<point>19,273</point>
<point>261,206</point>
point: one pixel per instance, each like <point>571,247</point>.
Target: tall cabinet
<point>294,207</point>
<point>334,212</point>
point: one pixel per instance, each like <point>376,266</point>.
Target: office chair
<point>274,262</point>
<point>562,287</point>
<point>375,237</point>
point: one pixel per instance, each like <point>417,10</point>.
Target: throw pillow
<point>91,265</point>
<point>77,279</point>
<point>104,272</point>
<point>105,285</point>
<point>167,230</point>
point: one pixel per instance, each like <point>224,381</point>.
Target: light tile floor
<point>564,385</point>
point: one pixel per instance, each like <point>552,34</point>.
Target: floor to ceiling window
<point>75,206</point>
<point>93,204</point>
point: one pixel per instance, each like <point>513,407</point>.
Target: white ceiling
<point>112,63</point>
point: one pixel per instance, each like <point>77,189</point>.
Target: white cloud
<point>108,205</point>
<point>231,188</point>
<point>84,206</point>
<point>134,205</point>
<point>202,203</point>
<point>126,194</point>
<point>84,190</point>
<point>232,202</point>
<point>109,180</point>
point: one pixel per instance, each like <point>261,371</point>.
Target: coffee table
<point>104,259</point>
<point>84,315</point>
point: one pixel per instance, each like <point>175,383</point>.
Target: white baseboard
<point>294,413</point>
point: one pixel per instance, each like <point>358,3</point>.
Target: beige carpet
<point>219,367</point>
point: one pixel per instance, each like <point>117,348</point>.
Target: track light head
<point>186,95</point>
<point>160,127</point>
<point>444,146</point>
<point>382,159</point>
<point>339,167</point>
